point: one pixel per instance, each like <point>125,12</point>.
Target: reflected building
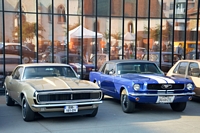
<point>46,27</point>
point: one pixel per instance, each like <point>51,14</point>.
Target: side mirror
<point>195,72</point>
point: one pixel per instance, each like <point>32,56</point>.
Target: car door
<point>180,70</point>
<point>194,78</point>
<point>14,84</point>
<point>107,79</point>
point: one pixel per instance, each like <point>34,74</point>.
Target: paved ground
<point>110,119</point>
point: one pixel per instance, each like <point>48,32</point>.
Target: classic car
<point>166,59</point>
<point>188,69</point>
<point>52,90</point>
<point>14,48</point>
<point>138,81</point>
<point>74,61</point>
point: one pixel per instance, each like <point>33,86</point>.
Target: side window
<point>181,68</point>
<point>109,67</point>
<point>17,73</point>
<point>192,66</point>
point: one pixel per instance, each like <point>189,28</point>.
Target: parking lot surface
<point>148,118</point>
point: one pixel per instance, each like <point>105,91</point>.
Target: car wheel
<point>127,105</point>
<point>26,59</point>
<point>9,100</point>
<point>27,113</point>
<point>178,106</point>
<point>94,113</point>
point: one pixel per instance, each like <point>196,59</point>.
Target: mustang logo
<point>166,86</point>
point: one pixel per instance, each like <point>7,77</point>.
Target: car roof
<point>129,60</point>
<point>198,60</point>
<point>42,64</point>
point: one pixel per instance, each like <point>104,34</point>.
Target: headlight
<point>136,87</point>
<point>189,86</point>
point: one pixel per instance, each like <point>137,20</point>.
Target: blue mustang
<point>137,81</point>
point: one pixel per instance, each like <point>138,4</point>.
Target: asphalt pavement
<point>148,118</point>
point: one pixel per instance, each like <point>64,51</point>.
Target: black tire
<point>9,100</point>
<point>27,113</point>
<point>94,113</point>
<point>127,105</point>
<point>178,106</point>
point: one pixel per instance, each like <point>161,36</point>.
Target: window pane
<point>130,8</point>
<point>103,7</point>
<point>116,7</point>
<point>75,7</point>
<point>43,5</point>
<point>143,8</point>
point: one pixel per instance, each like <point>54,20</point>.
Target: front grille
<point>67,96</point>
<point>160,87</point>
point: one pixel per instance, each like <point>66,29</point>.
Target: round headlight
<point>136,87</point>
<point>189,86</point>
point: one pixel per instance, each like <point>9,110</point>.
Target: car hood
<point>158,79</point>
<point>59,83</point>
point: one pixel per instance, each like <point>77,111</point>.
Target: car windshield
<point>142,68</point>
<point>48,71</point>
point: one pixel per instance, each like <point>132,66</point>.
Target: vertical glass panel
<point>44,6</point>
<point>167,36</point>
<point>44,39</point>
<point>28,37</point>
<point>75,7</point>
<point>11,5</point>
<point>116,42</point>
<point>142,37</point>
<point>1,27</point>
<point>12,45</point>
<point>129,38</point>
<point>1,51</point>
<point>89,7</point>
<point>180,8</point>
<point>143,8</point>
<point>179,37</point>
<point>91,44</point>
<point>103,28</point>
<point>116,7</point>
<point>60,38</point>
<point>26,4</point>
<point>130,8</point>
<point>103,7</point>
<point>75,41</point>
<point>1,5</point>
<point>154,37</point>
<point>191,36</point>
<point>155,13</point>
<point>168,6</point>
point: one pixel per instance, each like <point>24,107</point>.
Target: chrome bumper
<point>64,104</point>
<point>162,94</point>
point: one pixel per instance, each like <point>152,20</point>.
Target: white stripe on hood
<point>157,78</point>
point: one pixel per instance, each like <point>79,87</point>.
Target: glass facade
<point>98,30</point>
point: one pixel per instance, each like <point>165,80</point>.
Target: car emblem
<point>166,86</point>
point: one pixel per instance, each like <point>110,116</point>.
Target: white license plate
<point>165,99</point>
<point>71,109</point>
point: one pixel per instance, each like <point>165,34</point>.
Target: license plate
<point>71,109</point>
<point>165,99</point>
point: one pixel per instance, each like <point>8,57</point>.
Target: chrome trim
<point>65,104</point>
<point>162,94</point>
<point>67,92</point>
